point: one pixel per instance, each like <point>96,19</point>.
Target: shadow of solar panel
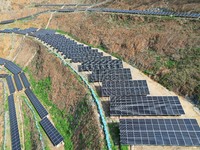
<point>18,82</point>
<point>12,67</point>
<point>51,131</point>
<point>11,86</point>
<point>145,105</point>
<point>177,132</point>
<point>110,74</point>
<point>15,139</point>
<point>36,103</point>
<point>24,80</point>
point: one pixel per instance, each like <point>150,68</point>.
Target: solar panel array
<point>12,67</point>
<point>53,134</point>
<point>26,31</point>
<point>2,61</point>
<point>15,140</point>
<point>110,10</point>
<point>110,74</point>
<point>126,87</point>
<point>36,103</point>
<point>127,97</point>
<point>145,105</point>
<point>3,75</point>
<point>147,12</point>
<point>24,80</point>
<point>10,83</point>
<point>18,82</point>
<point>51,131</point>
<point>173,132</point>
<point>101,65</point>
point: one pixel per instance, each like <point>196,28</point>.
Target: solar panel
<point>18,82</point>
<point>113,64</point>
<point>12,67</point>
<point>7,21</point>
<point>36,103</point>
<point>11,86</point>
<point>51,131</point>
<point>145,105</point>
<point>2,61</point>
<point>128,87</point>
<point>110,74</point>
<point>177,132</point>
<point>24,80</point>
<point>84,58</point>
<point>3,75</point>
<point>15,139</point>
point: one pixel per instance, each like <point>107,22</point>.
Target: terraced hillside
<point>95,100</point>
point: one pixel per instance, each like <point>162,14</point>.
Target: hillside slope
<point>61,92</point>
<point>167,49</point>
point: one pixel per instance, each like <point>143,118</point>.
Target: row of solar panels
<point>53,5</point>
<point>19,78</point>
<point>15,138</point>
<point>147,12</point>
<point>170,132</point>
<point>14,132</point>
<point>26,17</point>
<point>48,127</point>
<point>30,31</point>
<point>138,12</point>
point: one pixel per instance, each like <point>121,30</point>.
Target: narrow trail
<point>29,60</point>
<point>20,48</point>
<point>22,121</point>
<point>5,114</point>
<point>50,18</point>
<point>99,4</point>
<point>36,122</point>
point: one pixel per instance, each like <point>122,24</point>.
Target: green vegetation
<point>178,72</point>
<point>67,123</point>
<point>6,102</point>
<point>27,135</point>
<point>41,89</point>
<point>115,139</point>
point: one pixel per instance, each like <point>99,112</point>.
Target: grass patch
<point>115,139</point>
<point>27,135</point>
<point>41,89</point>
<point>170,64</point>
